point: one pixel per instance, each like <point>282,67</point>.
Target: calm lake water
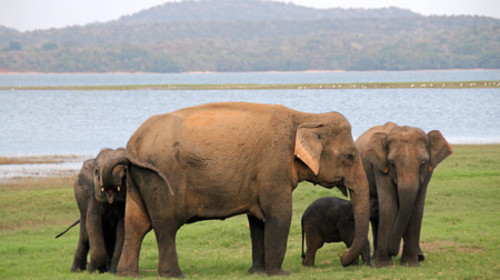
<point>83,122</point>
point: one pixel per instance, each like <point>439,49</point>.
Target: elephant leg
<point>120,232</point>
<point>110,241</point>
<point>277,227</point>
<point>388,207</point>
<point>374,223</point>
<point>163,220</point>
<point>365,254</point>
<point>257,237</point>
<point>80,259</point>
<point>168,264</point>
<point>412,253</point>
<point>98,254</point>
<point>137,224</point>
<point>314,241</point>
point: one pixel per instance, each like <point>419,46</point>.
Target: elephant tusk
<point>118,188</point>
<point>102,190</point>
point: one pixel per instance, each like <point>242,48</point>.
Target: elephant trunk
<point>407,194</point>
<point>107,169</point>
<point>359,192</point>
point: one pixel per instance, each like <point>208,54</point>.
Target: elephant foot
<point>79,265</point>
<point>383,262</point>
<point>279,272</point>
<point>128,273</point>
<point>170,274</point>
<point>101,269</point>
<point>76,268</point>
<point>421,257</point>
<point>256,270</point>
<point>306,262</point>
<point>410,261</point>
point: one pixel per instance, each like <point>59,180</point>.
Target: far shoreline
<point>7,72</point>
<point>300,86</point>
<point>56,158</point>
<point>18,168</point>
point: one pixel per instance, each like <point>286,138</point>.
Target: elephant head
<point>328,150</point>
<point>109,188</point>
<point>405,158</point>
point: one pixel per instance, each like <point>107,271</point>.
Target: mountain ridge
<point>358,40</point>
<point>251,10</point>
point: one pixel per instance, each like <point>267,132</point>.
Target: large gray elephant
<point>223,159</point>
<point>399,162</point>
<point>102,205</point>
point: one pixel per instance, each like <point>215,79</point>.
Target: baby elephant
<point>101,202</point>
<point>329,219</point>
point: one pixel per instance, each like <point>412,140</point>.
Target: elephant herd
<point>218,160</point>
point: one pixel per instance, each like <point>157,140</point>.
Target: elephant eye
<point>423,163</point>
<point>349,157</point>
<point>391,162</point>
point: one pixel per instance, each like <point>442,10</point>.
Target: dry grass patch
<point>38,159</point>
<point>448,246</point>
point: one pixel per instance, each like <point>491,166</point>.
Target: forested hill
<point>254,35</point>
<point>251,10</point>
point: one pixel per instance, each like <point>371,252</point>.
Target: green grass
<point>444,84</point>
<point>460,233</point>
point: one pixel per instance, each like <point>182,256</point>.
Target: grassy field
<point>369,85</point>
<point>460,235</point>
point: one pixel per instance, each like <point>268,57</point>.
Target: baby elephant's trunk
<point>109,165</point>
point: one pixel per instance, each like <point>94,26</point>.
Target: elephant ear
<point>439,150</point>
<point>376,151</point>
<point>308,145</point>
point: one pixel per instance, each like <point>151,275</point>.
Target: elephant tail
<point>132,157</point>
<point>303,256</point>
<point>71,226</point>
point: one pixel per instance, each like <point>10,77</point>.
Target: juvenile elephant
<point>223,159</point>
<point>399,161</point>
<point>329,219</point>
<point>102,205</point>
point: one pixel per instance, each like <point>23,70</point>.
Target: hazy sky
<point>27,15</point>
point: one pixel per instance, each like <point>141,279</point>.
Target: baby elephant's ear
<point>376,151</point>
<point>308,145</point>
<point>440,149</point>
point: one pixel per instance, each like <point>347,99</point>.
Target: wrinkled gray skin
<point>326,220</point>
<point>399,161</point>
<point>101,213</point>
<point>218,160</point>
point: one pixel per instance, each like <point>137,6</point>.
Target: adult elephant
<point>223,159</point>
<point>102,205</point>
<point>399,162</point>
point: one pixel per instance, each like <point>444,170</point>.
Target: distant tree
<point>49,46</point>
<point>14,46</point>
